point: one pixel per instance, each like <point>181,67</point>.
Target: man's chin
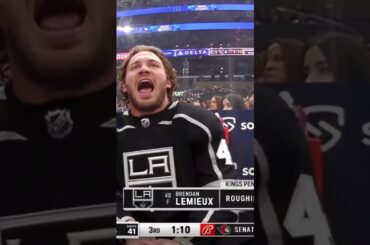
<point>147,106</point>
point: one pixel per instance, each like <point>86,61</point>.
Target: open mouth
<point>52,15</point>
<point>145,87</point>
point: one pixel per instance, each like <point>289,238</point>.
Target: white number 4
<point>305,216</point>
<point>224,153</point>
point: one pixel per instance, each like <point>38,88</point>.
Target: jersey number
<point>305,216</point>
<point>224,153</point>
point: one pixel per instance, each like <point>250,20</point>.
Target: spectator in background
<point>249,101</point>
<point>233,102</point>
<point>284,61</point>
<point>336,57</point>
<point>215,103</point>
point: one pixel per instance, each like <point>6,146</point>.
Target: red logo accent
<point>224,229</point>
<point>207,229</point>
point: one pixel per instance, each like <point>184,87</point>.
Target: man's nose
<point>269,65</point>
<point>144,69</point>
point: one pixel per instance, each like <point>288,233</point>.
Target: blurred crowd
<point>310,43</point>
<point>197,39</point>
<point>215,98</point>
<point>186,17</point>
<point>326,57</point>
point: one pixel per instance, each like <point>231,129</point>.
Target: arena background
<point>210,43</point>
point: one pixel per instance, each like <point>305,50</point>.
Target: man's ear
<point>169,84</point>
<point>123,87</point>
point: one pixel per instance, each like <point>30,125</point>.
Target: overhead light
<point>125,29</point>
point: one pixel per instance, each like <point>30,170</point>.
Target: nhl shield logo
<point>59,123</point>
<point>145,122</point>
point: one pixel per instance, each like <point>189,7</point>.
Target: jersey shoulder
<point>197,115</point>
<point>122,118</point>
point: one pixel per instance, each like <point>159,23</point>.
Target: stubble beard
<point>148,108</point>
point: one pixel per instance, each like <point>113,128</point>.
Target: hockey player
<point>188,139</point>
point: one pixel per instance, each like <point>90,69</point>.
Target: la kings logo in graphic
<point>143,198</point>
<point>59,123</point>
<point>149,167</point>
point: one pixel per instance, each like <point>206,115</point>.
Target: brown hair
<point>170,72</point>
<point>346,55</point>
<point>219,100</point>
<point>293,52</point>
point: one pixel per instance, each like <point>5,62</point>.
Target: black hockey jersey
<point>57,170</point>
<point>287,208</point>
<point>187,139</point>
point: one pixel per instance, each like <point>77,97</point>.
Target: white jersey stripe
<point>268,215</point>
<point>165,123</point>
<point>174,104</point>
<point>124,128</point>
<point>9,135</point>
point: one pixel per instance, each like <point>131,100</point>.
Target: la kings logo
<point>149,167</point>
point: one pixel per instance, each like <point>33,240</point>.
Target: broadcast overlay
<point>136,230</point>
<point>228,197</point>
<point>233,195</point>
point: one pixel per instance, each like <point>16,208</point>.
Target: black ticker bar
<point>187,199</point>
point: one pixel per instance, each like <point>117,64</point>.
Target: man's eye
<point>134,67</point>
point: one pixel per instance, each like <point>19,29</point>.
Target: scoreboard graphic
<point>134,230</point>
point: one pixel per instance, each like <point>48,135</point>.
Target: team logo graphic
<point>328,117</point>
<point>224,229</point>
<point>229,122</point>
<point>143,198</point>
<point>59,123</point>
<point>330,135</point>
<point>149,167</point>
<point>207,229</point>
<point>145,122</point>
